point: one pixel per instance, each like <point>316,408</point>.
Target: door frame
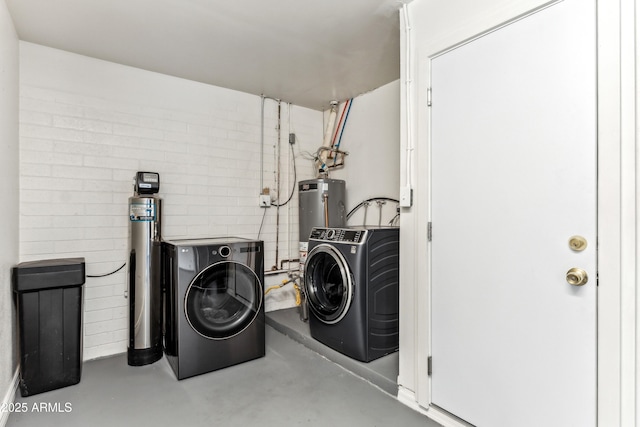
<point>429,30</point>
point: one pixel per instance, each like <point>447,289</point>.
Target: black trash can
<point>49,308</point>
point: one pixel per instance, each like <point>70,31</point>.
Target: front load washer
<point>214,312</point>
<point>351,279</point>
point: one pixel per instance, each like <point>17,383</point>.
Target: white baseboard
<point>408,398</point>
<point>444,418</point>
<point>9,396</point>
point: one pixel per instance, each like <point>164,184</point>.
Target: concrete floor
<point>382,372</point>
<point>291,385</point>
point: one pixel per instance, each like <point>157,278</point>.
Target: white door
<point>513,169</point>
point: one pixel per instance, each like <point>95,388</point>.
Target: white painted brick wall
<point>9,236</point>
<point>372,138</point>
<point>82,140</point>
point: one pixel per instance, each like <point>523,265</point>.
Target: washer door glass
<point>223,299</point>
<point>328,284</point>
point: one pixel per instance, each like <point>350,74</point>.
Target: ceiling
<point>307,52</point>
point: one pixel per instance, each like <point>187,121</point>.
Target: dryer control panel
<point>344,235</point>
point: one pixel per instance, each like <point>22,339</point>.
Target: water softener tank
<point>144,288</point>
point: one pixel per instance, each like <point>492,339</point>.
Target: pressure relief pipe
<point>326,143</point>
<point>325,201</point>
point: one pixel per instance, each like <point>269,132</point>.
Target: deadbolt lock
<point>577,277</point>
<point>578,243</point>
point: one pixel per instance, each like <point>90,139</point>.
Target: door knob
<point>577,243</point>
<point>577,277</point>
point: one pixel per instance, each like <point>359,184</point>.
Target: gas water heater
<point>144,289</point>
<point>322,204</point>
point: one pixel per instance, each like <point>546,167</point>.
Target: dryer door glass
<point>223,299</point>
<point>328,284</point>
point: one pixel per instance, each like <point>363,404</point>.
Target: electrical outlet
<point>264,201</point>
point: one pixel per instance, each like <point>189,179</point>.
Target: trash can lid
<point>48,274</point>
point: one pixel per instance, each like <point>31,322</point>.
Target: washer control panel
<point>344,235</point>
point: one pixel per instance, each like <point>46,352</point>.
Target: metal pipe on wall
<point>261,145</point>
<point>289,159</point>
<point>277,164</point>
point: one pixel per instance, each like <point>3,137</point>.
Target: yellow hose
<point>298,294</point>
<point>284,282</point>
<point>272,288</point>
<point>296,288</point>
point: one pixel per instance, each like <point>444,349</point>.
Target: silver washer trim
<point>186,295</point>
<point>344,272</point>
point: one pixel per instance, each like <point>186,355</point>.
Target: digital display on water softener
<point>147,182</point>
